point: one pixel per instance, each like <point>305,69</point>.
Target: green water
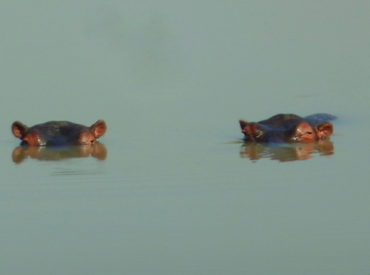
<point>175,191</point>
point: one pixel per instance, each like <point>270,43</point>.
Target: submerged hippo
<point>289,128</point>
<point>58,133</point>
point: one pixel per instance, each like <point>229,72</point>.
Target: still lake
<point>173,190</point>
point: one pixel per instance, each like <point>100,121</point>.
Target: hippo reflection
<point>289,128</point>
<point>286,152</point>
<point>96,150</point>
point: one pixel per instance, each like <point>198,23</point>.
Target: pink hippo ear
<point>251,130</point>
<point>243,124</point>
<point>19,129</point>
<point>248,128</point>
<point>324,130</point>
<point>98,128</point>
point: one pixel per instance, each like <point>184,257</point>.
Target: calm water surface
<point>171,189</point>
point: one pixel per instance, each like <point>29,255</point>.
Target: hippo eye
<point>309,133</point>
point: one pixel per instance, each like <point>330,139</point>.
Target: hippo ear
<point>324,130</point>
<point>243,124</point>
<point>251,130</point>
<point>98,128</point>
<point>19,129</point>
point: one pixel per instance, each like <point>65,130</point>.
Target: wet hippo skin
<point>58,133</point>
<point>289,128</point>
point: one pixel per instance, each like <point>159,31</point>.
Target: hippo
<point>58,133</point>
<point>290,128</point>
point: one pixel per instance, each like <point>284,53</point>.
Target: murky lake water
<point>171,189</point>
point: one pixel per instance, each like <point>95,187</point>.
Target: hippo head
<point>56,133</point>
<point>298,131</point>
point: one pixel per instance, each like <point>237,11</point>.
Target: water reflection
<point>286,152</point>
<point>96,150</point>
